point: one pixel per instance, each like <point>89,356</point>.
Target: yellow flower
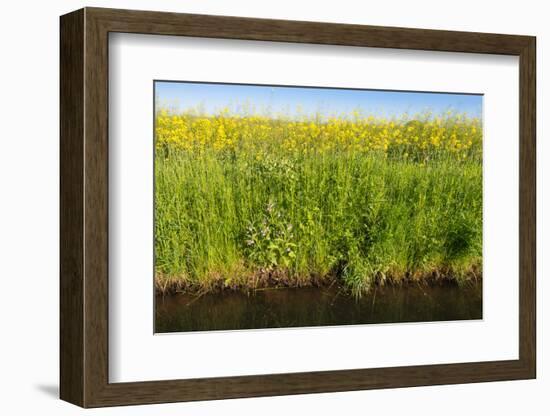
<point>254,135</point>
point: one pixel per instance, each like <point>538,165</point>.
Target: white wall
<point>29,206</point>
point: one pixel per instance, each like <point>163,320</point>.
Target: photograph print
<point>295,206</point>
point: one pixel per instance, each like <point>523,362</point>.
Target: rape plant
<point>419,138</point>
<point>246,201</point>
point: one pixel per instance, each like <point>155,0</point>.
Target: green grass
<point>242,220</point>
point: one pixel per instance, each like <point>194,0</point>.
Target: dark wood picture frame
<point>84,207</point>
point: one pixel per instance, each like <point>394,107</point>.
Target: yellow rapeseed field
<point>420,137</point>
<point>243,201</point>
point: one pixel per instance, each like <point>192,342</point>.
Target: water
<point>280,308</point>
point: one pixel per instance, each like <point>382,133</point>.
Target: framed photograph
<point>257,207</point>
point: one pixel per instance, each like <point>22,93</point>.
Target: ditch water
<point>280,308</point>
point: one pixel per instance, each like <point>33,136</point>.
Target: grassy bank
<point>246,202</point>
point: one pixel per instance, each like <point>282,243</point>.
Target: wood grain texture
<point>162,23</point>
<point>84,207</point>
<point>96,208</point>
<point>527,207</point>
<point>71,213</point>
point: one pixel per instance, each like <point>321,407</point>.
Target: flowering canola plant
<point>416,138</point>
<point>243,201</point>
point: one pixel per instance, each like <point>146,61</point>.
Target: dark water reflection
<point>278,308</point>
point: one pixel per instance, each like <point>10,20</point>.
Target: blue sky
<point>291,101</point>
